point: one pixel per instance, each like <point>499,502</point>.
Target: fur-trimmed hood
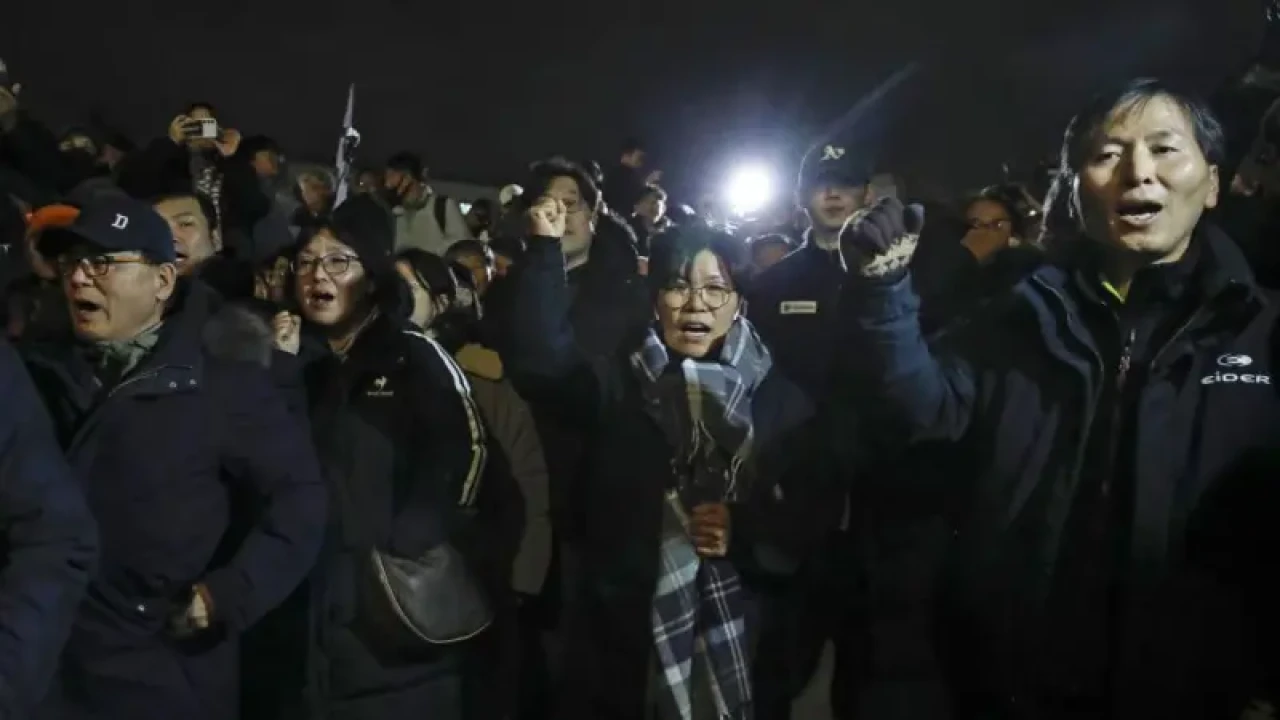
<point>238,332</point>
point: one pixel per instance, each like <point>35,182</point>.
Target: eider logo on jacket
<point>1234,361</point>
<point>380,388</point>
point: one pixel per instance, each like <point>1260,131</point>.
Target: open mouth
<point>320,298</point>
<point>85,306</point>
<point>1139,212</point>
<point>695,330</point>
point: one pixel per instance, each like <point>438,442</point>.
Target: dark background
<point>480,89</point>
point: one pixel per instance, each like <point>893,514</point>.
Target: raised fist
<point>547,217</point>
<point>880,241</point>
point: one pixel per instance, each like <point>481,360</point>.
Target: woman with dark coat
<point>404,451</point>
<point>685,495</point>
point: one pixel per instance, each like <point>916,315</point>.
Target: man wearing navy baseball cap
<point>118,267</point>
<point>167,433</point>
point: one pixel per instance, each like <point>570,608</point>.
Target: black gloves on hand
<point>878,243</point>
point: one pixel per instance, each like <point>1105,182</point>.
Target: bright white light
<point>750,189</point>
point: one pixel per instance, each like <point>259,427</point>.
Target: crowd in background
<point>588,452</point>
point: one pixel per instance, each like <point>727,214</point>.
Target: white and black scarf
<point>698,612</point>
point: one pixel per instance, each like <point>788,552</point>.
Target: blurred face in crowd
<point>77,141</point>
<point>113,296</point>
<point>332,288</point>
<point>579,221</point>
<point>696,310</point>
<point>652,207</point>
<point>193,239</point>
<point>369,181</point>
<point>266,163</point>
<point>1146,182</point>
<point>201,113</point>
<point>480,268</point>
<point>398,185</point>
<point>832,203</point>
<point>633,159</point>
<point>478,218</point>
<point>426,307</point>
<point>988,224</point>
<point>315,192</point>
<point>269,281</point>
<point>111,156</point>
<point>767,254</point>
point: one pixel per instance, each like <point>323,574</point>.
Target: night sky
<point>482,89</point>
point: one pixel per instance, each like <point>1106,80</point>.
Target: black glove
<point>878,243</point>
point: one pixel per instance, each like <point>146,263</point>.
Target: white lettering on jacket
<point>1221,378</point>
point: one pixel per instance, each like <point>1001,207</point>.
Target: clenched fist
<point>546,218</point>
<point>287,329</point>
<point>879,243</point>
<point>709,529</point>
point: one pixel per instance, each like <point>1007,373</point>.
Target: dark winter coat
<point>409,463</point>
<point>48,545</point>
<point>196,473</point>
<point>619,496</point>
<point>1119,528</point>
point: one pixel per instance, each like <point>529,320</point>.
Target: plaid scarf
<point>698,613</point>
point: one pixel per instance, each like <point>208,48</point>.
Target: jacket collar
<point>1220,267</point>
<point>176,363</point>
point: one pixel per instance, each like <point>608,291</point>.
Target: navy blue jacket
<point>1193,476</point>
<point>48,543</point>
<point>794,307</point>
<point>196,473</point>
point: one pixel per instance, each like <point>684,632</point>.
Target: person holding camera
<point>199,154</point>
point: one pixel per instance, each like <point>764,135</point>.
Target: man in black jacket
<point>49,538</point>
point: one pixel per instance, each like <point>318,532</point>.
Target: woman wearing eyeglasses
<point>691,436</point>
<point>404,450</point>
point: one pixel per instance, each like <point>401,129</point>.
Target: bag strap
<point>440,208</point>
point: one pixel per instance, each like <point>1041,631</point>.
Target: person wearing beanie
<point>405,451</point>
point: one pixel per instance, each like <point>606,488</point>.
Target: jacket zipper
<point>94,414</point>
<point>1092,410</point>
<point>129,381</point>
<point>1117,411</point>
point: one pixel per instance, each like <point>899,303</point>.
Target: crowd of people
<point>586,453</point>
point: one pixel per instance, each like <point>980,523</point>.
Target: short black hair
<point>408,162</point>
<point>1007,197</point>
<point>255,144</point>
<point>192,107</point>
<point>672,251</point>
<point>469,247</point>
<point>630,145</point>
<point>1060,215</point>
<point>431,270</point>
<point>542,173</point>
<point>206,204</point>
